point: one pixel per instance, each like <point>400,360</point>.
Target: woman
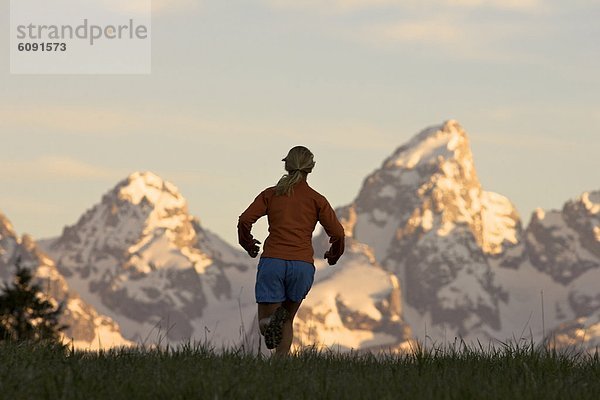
<point>286,270</point>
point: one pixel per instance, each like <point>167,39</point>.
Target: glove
<point>330,259</point>
<point>254,248</point>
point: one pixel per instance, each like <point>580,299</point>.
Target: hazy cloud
<point>459,29</point>
<point>453,36</point>
<point>354,5</point>
<point>11,205</point>
<point>71,119</point>
<point>532,142</point>
<point>55,168</point>
<point>426,31</point>
<point>120,121</point>
<point>332,5</point>
<point>157,6</point>
<point>499,4</point>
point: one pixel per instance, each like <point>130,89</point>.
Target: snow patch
<point>426,151</point>
<point>591,202</point>
<point>427,220</point>
<point>380,216</point>
<point>148,185</point>
<point>388,191</point>
<point>500,222</point>
<point>362,286</point>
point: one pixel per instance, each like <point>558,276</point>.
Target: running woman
<point>286,268</point>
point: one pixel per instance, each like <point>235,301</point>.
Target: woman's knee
<point>267,309</point>
<point>291,307</point>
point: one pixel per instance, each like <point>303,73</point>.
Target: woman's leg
<point>265,310</point>
<point>288,327</point>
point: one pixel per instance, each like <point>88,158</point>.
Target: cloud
<point>72,119</point>
<point>11,205</point>
<point>356,5</point>
<point>427,31</point>
<point>145,6</point>
<point>332,5</point>
<point>102,121</point>
<point>40,119</point>
<point>529,142</point>
<point>55,168</point>
<point>523,5</point>
<point>340,134</point>
<point>465,30</point>
<point>451,36</point>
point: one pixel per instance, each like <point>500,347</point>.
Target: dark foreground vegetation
<point>50,371</point>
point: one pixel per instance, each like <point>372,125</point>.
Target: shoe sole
<point>273,332</point>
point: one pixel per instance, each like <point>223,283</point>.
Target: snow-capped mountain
<point>466,266</point>
<point>139,257</point>
<point>566,244</point>
<point>87,329</point>
<point>552,276</point>
<point>559,258</point>
<point>432,225</point>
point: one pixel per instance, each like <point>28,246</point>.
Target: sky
<point>236,83</point>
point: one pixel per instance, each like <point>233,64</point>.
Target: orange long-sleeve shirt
<point>292,220</point>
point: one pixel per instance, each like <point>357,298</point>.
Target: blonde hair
<point>298,164</point>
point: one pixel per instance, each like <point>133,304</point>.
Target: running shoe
<point>274,330</point>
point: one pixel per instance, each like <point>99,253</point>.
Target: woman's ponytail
<point>298,164</point>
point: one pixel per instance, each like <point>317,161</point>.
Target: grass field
<point>511,372</point>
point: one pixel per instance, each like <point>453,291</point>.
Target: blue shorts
<point>278,280</point>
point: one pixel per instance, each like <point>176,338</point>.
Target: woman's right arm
<point>257,209</point>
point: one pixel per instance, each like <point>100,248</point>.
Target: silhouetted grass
<point>29,371</point>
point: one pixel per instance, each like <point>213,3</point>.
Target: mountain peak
<point>147,185</point>
<point>448,129</point>
<point>445,141</point>
<point>566,243</point>
<point>140,209</point>
<point>428,185</point>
